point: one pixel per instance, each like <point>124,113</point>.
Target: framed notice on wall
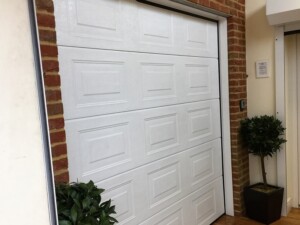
<point>262,69</point>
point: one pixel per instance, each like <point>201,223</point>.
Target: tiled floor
<point>292,219</point>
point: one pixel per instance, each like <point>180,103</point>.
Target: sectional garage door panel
<point>107,145</point>
<point>140,88</point>
<point>98,82</point>
<point>131,26</point>
<point>152,206</point>
<point>199,208</point>
<point>141,193</point>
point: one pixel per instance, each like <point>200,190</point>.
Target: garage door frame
<point>191,8</point>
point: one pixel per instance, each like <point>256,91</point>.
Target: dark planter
<point>263,207</point>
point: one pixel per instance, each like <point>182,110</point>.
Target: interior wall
<point>23,183</point>
<point>261,91</point>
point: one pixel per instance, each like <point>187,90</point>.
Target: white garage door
<point>140,90</point>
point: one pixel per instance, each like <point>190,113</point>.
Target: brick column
<point>48,46</point>
<point>237,90</point>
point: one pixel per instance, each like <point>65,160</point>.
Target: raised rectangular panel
<point>97,14</point>
<point>198,79</point>
<point>173,215</point>
<point>202,164</point>
<point>173,219</point>
<point>203,122</point>
<point>198,37</point>
<point>158,81</point>
<point>205,163</point>
<point>202,81</point>
<point>207,204</point>
<point>196,34</point>
<point>122,197</point>
<point>156,26</point>
<point>104,147</point>
<point>159,78</point>
<point>92,20</point>
<point>99,83</point>
<point>164,184</point>
<point>128,190</point>
<point>102,24</point>
<point>161,133</point>
<point>101,147</point>
<point>200,122</point>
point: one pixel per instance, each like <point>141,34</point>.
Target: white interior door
<point>140,88</point>
<point>296,152</point>
<point>292,69</point>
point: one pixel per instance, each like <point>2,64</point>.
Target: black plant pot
<point>261,206</point>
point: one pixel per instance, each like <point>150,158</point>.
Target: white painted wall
<point>261,91</point>
<point>23,184</point>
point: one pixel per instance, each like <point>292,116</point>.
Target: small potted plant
<point>263,137</point>
<point>80,204</point>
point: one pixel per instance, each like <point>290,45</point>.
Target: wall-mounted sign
<point>262,69</point>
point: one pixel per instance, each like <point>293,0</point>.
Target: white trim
<point>224,91</point>
<point>225,115</point>
<point>296,159</point>
<point>292,120</point>
<point>280,110</point>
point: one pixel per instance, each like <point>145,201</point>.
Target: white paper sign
<point>262,69</point>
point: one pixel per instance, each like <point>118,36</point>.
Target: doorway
<point>292,105</point>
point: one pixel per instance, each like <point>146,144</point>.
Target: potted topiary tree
<point>80,204</point>
<point>263,137</point>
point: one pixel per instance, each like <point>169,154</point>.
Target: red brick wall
<point>237,88</point>
<point>47,35</point>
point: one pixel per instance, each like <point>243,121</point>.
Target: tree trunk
<point>263,169</point>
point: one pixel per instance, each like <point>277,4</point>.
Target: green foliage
<point>262,135</point>
<point>80,204</point>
